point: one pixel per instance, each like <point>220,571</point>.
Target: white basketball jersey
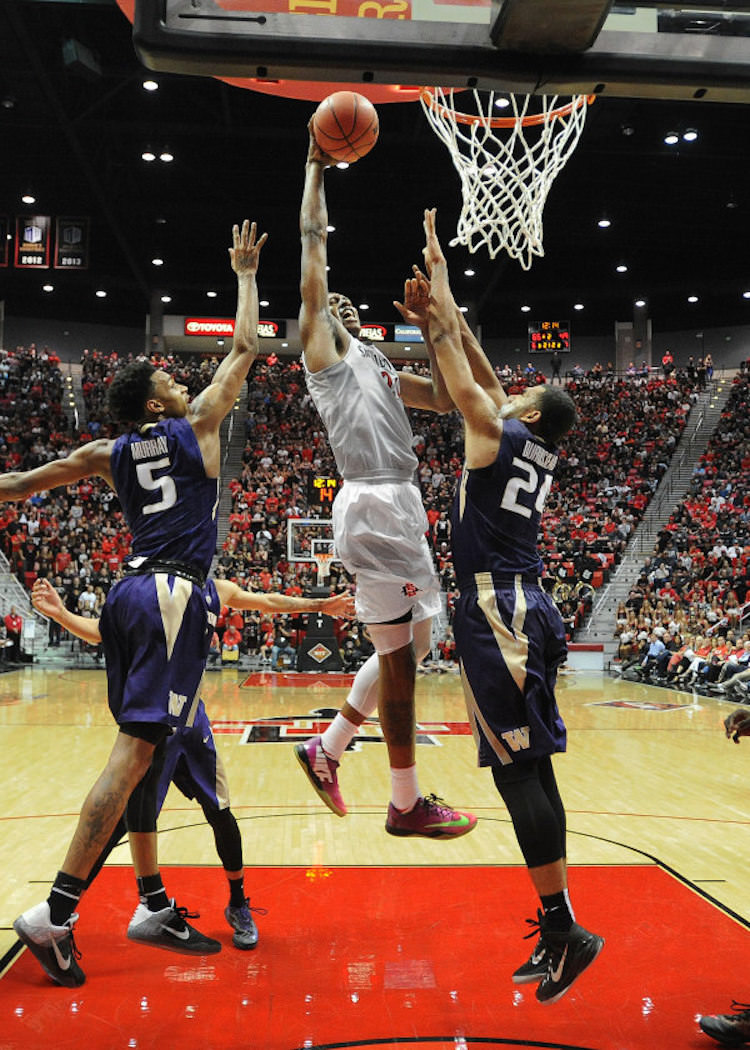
<point>359,401</point>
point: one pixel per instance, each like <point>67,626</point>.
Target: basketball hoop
<point>323,562</point>
<point>506,165</point>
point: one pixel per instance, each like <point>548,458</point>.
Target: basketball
<point>345,126</point>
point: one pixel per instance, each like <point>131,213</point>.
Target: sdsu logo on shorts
<point>410,590</point>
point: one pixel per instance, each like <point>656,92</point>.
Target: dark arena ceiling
<point>75,120</point>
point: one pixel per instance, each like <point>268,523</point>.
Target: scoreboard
<point>547,336</point>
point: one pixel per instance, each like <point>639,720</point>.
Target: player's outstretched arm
<point>89,460</point>
<point>418,391</point>
<point>483,426</point>
<point>481,368</point>
<point>45,598</point>
<point>273,602</point>
<point>323,336</point>
<point>209,408</point>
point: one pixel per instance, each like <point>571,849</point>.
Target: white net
<point>506,165</point>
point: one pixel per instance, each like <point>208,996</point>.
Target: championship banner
<point>71,244</point>
<point>4,234</point>
<point>33,234</point>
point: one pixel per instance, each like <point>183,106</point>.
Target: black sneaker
<point>167,929</point>
<point>535,966</point>
<point>729,1029</point>
<point>53,946</point>
<point>242,922</point>
<point>568,955</point>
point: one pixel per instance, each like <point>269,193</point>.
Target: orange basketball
<point>345,125</point>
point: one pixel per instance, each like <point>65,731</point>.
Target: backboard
<point>562,47</point>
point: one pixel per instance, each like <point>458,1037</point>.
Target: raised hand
<point>245,251</point>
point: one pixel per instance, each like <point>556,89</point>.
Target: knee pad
<point>422,638</point>
<point>388,637</point>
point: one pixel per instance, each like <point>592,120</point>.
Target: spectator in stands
<point>13,629</point>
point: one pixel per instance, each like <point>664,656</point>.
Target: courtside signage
<point>224,326</point>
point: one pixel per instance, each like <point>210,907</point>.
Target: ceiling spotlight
<point>264,302</point>
<point>166,298</point>
<point>219,342</point>
<point>525,309</point>
<point>502,103</point>
<point>343,164</point>
<point>604,224</point>
<point>157,262</point>
<point>101,294</point>
<point>211,295</point>
<point>363,306</point>
<point>690,135</point>
<point>148,155</point>
<point>671,138</point>
<point>640,302</point>
<point>150,85</point>
<point>285,344</point>
<point>746,295</point>
<point>166,156</point>
<point>48,287</point>
<point>464,309</point>
<point>622,268</point>
<point>578,306</point>
<point>732,202</point>
<point>627,130</point>
<point>692,298</point>
<point>470,273</point>
<point>330,229</point>
<point>28,198</point>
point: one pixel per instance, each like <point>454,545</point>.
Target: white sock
<point>404,788</point>
<point>337,737</point>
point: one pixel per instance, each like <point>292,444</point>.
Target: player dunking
<point>156,624</point>
<point>188,757</point>
<point>509,634</point>
<point>378,519</point>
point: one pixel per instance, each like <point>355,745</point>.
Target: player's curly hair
<point>129,391</point>
<point>558,414</point>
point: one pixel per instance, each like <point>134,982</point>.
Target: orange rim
<point>503,122</point>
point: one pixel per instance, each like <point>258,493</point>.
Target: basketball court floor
<point>369,940</point>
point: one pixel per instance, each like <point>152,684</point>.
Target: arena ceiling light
<point>363,306</point>
<point>502,102</point>
<point>640,303</point>
<point>150,85</point>
<point>525,309</point>
<point>148,155</point>
<point>166,156</point>
<point>692,298</point>
<point>690,135</point>
<point>211,295</point>
<point>48,287</point>
<point>101,294</point>
<point>264,302</point>
<point>671,138</point>
<point>746,295</point>
<point>578,306</point>
<point>470,273</point>
<point>157,261</point>
<point>28,198</point>
<point>166,298</point>
<point>621,268</point>
<point>330,229</point>
<point>604,224</point>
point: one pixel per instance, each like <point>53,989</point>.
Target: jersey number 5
<point>165,484</point>
<point>529,484</point>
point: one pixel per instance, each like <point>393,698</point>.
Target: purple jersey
<point>497,509</point>
<point>168,501</point>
